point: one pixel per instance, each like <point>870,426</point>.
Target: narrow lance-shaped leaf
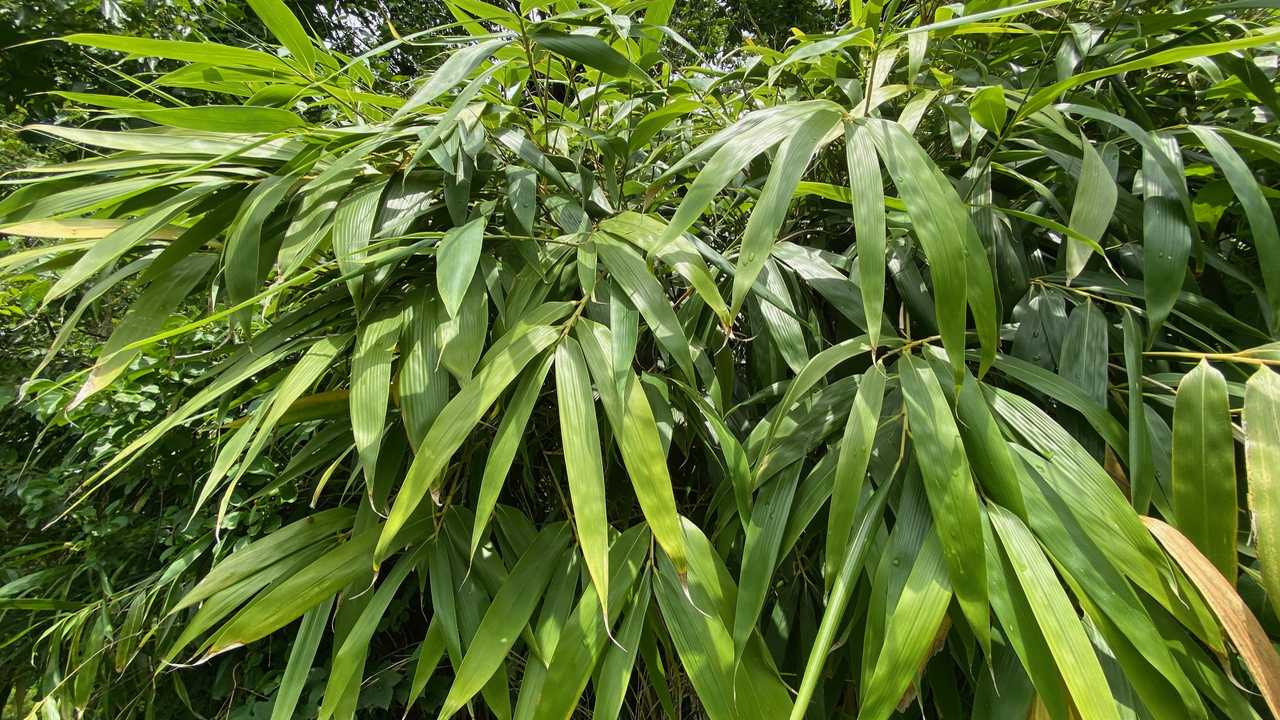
<point>507,615</point>
<point>1242,626</point>
<point>914,623</point>
<point>867,193</point>
<point>648,296</point>
<point>1262,451</point>
<point>770,210</point>
<point>505,445</point>
<point>636,432</point>
<point>855,454</point>
<point>143,319</point>
<point>849,569</point>
<point>927,205</point>
<point>285,26</point>
<point>371,387</point>
<point>424,384</point>
<point>620,659</point>
<point>760,553</point>
<point>1091,212</point>
<point>301,657</point>
<point>945,468</point>
<point>460,64</point>
<point>1142,471</point>
<point>1266,236</point>
<point>1204,467</point>
<point>456,262</point>
<point>453,425</point>
<point>1166,237</point>
<point>583,463</point>
<point>1056,617</point>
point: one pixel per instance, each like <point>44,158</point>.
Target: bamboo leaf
<point>590,51</point>
<point>794,156</point>
<point>1241,625</point>
<point>867,194</point>
<point>371,387</point>
<point>583,464</point>
<point>452,426</point>
<point>507,615</point>
<point>1262,452</point>
<point>851,470</point>
<point>1091,211</point>
<point>456,262</point>
<point>945,468</point>
<point>1204,467</point>
<point>1062,630</point>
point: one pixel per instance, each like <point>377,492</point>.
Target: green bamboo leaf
<point>1262,451</point>
<point>289,600</point>
<point>1204,467</point>
<point>867,195</point>
<point>242,119</point>
<point>144,318</point>
<point>646,231</point>
<point>424,384</point>
<point>928,204</point>
<point>453,71</point>
<point>794,156</point>
<point>1083,363</point>
<point>125,237</point>
<point>429,653</point>
<point>811,374</point>
<point>1262,220</point>
<point>1053,612</point>
<point>636,433</point>
<point>851,470</point>
<point>198,52</point>
<point>1165,57</point>
<point>261,426</point>
<point>301,656</point>
<point>750,690</point>
<point>648,296</point>
<point>353,649</point>
<point>586,631</point>
<point>1092,209</point>
<point>505,444</point>
<point>849,569</point>
<point>461,339</point>
<point>584,466</point>
<point>453,425</point>
<point>620,658</point>
<point>760,553</point>
<point>1166,236</point>
<point>456,262</point>
<point>730,151</point>
<point>371,386</point>
<point>256,556</point>
<point>1110,602</point>
<point>785,332</point>
<point>986,449</point>
<point>910,631</point>
<point>988,108</point>
<point>288,30</point>
<point>653,123</point>
<point>1057,387</point>
<point>945,468</point>
<point>508,614</point>
<point>353,229</point>
<point>590,51</point>
<point>1142,471</point>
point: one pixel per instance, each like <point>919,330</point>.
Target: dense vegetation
<point>921,366</point>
